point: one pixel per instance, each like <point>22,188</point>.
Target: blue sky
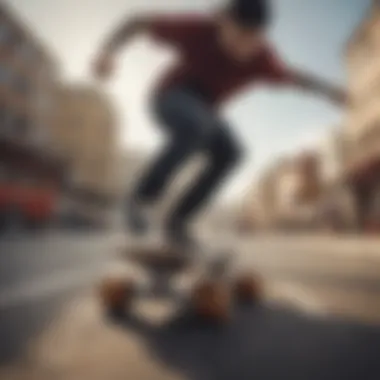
<point>311,34</point>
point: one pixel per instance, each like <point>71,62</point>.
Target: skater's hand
<point>309,82</point>
<point>103,66</point>
<point>339,97</point>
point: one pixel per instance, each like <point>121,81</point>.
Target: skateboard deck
<point>156,256</point>
<point>158,259</point>
<point>210,297</point>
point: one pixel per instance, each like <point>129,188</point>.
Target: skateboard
<point>211,297</point>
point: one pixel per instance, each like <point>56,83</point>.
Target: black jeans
<point>191,127</point>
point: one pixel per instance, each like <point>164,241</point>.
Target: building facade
<point>307,165</point>
<point>336,204</point>
<point>85,133</point>
<point>271,197</point>
<point>30,172</point>
<point>362,127</point>
<point>287,193</point>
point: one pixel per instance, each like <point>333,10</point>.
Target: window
<point>21,127</point>
<point>41,136</point>
<point>3,114</point>
<point>363,54</point>
<point>5,74</point>
<point>27,51</point>
<point>4,32</point>
<point>43,98</point>
<point>375,212</point>
<point>3,172</point>
<point>15,40</point>
<point>6,120</point>
<point>22,85</point>
<point>8,36</point>
<point>371,136</point>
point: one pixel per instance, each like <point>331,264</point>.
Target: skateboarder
<point>219,54</point>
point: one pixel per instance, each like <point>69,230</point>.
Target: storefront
<point>30,186</point>
<point>84,208</point>
<point>364,182</point>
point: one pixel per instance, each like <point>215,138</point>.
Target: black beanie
<point>250,13</point>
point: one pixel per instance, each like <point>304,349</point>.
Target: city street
<point>39,274</point>
<point>319,320</point>
<point>290,91</point>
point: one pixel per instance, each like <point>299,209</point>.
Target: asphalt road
<point>319,320</point>
<point>38,275</point>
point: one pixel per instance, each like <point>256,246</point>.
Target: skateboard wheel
<point>247,288</point>
<point>116,294</point>
<point>211,301</point>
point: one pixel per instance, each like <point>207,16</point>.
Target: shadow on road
<point>20,324</point>
<point>265,343</point>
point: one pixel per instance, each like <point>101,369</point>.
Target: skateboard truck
<point>211,297</point>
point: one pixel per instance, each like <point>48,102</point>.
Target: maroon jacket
<point>204,64</point>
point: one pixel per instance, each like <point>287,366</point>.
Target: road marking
<point>304,299</point>
<point>32,290</point>
<point>296,295</point>
<point>52,284</point>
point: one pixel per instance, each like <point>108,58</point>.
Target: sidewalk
<point>362,247</point>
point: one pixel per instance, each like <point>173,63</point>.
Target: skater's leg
<point>223,153</point>
<point>187,123</point>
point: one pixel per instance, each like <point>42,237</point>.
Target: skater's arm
<point>172,30</point>
<point>316,85</point>
<point>104,62</point>
<point>124,33</point>
<point>278,72</point>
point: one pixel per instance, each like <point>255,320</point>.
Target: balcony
<point>6,74</point>
<point>28,61</point>
<point>5,120</point>
<point>26,160</point>
<point>17,46</point>
<point>9,40</point>
<point>4,36</point>
<point>27,52</point>
<point>22,85</point>
<point>19,129</point>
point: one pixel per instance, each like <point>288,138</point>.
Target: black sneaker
<point>136,217</point>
